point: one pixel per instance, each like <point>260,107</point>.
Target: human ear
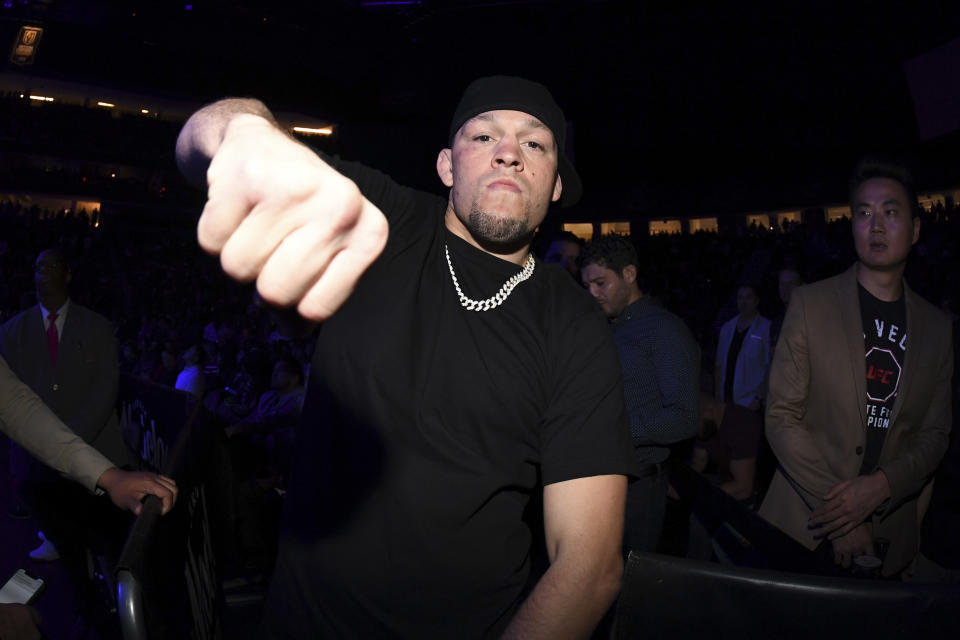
<point>445,167</point>
<point>557,188</point>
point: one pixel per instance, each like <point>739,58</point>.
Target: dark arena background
<point>720,139</point>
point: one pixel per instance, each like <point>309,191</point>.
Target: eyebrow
<point>532,123</point>
<point>884,203</point>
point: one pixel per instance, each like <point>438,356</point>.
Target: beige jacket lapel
<point>913,353</point>
<point>848,304</point>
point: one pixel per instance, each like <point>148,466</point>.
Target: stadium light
<point>326,131</point>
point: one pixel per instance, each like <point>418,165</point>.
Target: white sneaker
<point>46,552</point>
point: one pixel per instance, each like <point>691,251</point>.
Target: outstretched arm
<point>583,519</point>
<point>30,423</point>
<point>276,213</point>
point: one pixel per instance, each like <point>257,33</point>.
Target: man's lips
<point>508,185</point>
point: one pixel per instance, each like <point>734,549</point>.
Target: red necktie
<point>53,338</point>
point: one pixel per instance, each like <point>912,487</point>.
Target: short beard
<point>490,230</point>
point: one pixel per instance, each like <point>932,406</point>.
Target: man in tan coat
<point>858,409</point>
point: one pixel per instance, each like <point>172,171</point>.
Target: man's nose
<point>508,153</point>
<point>876,221</point>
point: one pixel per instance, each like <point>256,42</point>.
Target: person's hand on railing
<point>128,488</point>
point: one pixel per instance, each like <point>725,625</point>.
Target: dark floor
<point>55,603</point>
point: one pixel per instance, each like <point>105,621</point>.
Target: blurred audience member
<point>727,446</point>
<point>743,353</point>
<point>165,372</point>
<point>661,374</point>
<point>563,248</point>
<point>788,279</point>
<point>725,451</point>
<point>279,406</point>
<point>67,355</point>
<point>191,378</point>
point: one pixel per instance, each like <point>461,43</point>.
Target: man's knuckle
<point>236,265</point>
<point>344,209</point>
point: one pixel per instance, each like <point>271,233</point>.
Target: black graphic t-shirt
<point>885,345</point>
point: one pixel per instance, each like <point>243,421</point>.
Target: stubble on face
<point>496,229</point>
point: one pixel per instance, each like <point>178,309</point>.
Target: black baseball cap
<point>519,94</point>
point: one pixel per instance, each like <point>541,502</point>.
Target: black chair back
<point>669,597</point>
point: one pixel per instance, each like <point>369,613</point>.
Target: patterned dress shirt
<point>661,377</point>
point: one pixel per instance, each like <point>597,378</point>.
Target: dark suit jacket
<point>82,389</point>
<point>816,418</point>
<point>29,423</point>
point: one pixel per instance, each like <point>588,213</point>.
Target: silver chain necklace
<point>495,300</point>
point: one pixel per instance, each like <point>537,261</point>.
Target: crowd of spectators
<point>172,308</point>
<point>175,312</point>
<point>165,295</point>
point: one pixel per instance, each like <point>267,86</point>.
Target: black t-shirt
<point>885,346</point>
<point>426,429</point>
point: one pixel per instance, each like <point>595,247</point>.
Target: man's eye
<point>533,144</point>
<point>482,138</point>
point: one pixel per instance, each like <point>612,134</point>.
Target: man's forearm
<point>568,601</point>
<point>204,131</point>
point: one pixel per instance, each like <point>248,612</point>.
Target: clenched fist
<point>276,213</point>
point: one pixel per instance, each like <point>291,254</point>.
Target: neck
<point>512,252</point>
<point>886,285</point>
<point>52,303</point>
<point>745,319</point>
